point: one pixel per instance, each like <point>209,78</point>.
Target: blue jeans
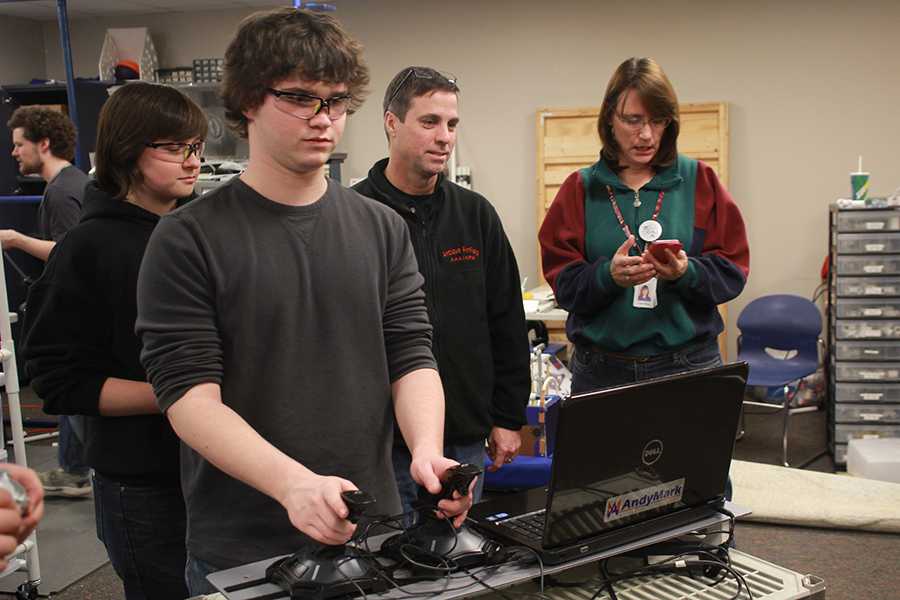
<point>195,572</point>
<point>594,370</point>
<point>71,446</point>
<point>409,489</point>
<point>143,529</point>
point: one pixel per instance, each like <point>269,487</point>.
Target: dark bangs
<point>136,114</point>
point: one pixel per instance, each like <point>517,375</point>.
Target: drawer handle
<point>871,395</point>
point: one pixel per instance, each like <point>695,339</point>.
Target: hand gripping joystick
<point>358,502</point>
<point>433,545</point>
<point>458,479</point>
<point>455,479</point>
<point>329,571</point>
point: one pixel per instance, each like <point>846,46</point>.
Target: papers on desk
<point>533,306</point>
<point>539,299</point>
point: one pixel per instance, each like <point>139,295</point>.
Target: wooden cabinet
<point>567,140</point>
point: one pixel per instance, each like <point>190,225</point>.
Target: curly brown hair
<point>39,123</point>
<point>273,45</point>
<point>646,78</point>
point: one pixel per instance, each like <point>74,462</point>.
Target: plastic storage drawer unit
<point>868,265</point>
<point>844,433</point>
<point>868,243</point>
<point>871,372</point>
<point>887,350</point>
<point>868,287</point>
<point>867,413</point>
<point>862,308</point>
<point>868,221</point>
<point>840,454</point>
<point>867,392</point>
<point>867,330</point>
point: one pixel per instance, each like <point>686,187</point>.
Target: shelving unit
<point>864,327</point>
<point>90,96</point>
<point>9,379</point>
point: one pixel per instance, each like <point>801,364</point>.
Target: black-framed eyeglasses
<point>306,106</point>
<point>178,152</point>
<point>420,74</point>
<point>636,122</point>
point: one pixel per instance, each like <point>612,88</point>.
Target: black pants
<point>143,529</point>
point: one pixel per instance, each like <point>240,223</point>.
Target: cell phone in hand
<point>659,247</point>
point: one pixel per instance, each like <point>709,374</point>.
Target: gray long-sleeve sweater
<point>304,316</point>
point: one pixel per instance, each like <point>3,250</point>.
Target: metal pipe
<point>62,16</point>
<point>11,383</point>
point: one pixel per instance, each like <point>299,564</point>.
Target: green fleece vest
<point>620,327</point>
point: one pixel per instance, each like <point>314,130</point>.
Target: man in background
<point>472,285</point>
<point>44,144</point>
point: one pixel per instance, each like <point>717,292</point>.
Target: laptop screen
<point>632,453</point>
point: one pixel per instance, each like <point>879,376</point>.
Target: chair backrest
<point>781,321</point>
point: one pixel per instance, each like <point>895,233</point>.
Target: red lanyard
<point>622,223</point>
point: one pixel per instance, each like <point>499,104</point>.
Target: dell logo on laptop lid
<point>651,452</point>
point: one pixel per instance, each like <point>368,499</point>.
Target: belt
<point>637,359</point>
<point>668,356</point>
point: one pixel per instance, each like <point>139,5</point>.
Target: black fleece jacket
<point>474,301</point>
<point>80,331</point>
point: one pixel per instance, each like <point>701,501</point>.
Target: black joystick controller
<point>330,571</point>
<point>432,546</point>
<point>358,502</point>
<point>458,479</point>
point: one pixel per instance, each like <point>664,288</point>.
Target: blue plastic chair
<point>788,327</point>
<point>524,472</point>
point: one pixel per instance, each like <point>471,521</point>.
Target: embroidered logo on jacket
<point>461,254</point>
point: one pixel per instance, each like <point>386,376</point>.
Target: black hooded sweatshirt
<point>474,301</point>
<point>80,331</point>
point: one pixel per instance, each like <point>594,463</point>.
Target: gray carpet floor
<point>855,565</point>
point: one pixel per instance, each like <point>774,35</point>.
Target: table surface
<point>460,585</point>
<point>554,314</point>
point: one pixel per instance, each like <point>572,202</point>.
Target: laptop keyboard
<point>530,525</point>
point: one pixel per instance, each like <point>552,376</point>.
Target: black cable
<point>609,584</point>
<point>665,567</point>
<point>26,280</point>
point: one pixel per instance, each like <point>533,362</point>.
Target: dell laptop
<point>629,462</point>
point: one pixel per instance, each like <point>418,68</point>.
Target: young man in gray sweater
<point>283,319</point>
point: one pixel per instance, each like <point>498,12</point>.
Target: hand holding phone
<point>659,247</point>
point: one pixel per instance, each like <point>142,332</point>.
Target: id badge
<point>645,295</point>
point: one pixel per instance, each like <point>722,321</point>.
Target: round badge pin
<point>650,230</point>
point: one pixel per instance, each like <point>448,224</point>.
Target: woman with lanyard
<point>636,313</point>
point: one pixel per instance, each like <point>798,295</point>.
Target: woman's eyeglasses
<point>636,122</point>
<point>177,152</point>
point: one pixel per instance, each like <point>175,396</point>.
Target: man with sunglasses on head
<point>283,319</point>
<point>471,277</point>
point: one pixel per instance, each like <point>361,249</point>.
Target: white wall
<point>21,50</point>
<point>810,85</point>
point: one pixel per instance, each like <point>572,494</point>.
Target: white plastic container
<point>874,458</point>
